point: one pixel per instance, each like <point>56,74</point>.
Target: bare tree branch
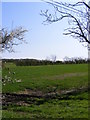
<point>77,15</point>
<point>10,38</point>
<point>81,3</point>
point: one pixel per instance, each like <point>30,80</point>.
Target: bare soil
<point>28,96</point>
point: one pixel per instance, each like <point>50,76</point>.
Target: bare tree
<point>10,38</point>
<point>53,58</point>
<point>77,15</point>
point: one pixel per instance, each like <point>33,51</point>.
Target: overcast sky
<point>43,40</point>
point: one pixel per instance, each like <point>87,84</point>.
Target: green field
<point>55,91</point>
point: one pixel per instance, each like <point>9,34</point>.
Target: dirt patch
<point>31,92</point>
<point>61,77</point>
<point>29,97</point>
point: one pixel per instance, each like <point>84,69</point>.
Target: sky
<point>42,40</point>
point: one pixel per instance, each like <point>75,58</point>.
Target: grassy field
<point>49,87</point>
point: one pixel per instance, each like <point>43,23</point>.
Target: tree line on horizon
<point>35,62</point>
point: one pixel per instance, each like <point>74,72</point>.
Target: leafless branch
<point>10,38</point>
<point>78,18</point>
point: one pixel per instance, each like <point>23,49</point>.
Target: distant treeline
<point>35,62</point>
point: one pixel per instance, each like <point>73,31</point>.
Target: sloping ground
<point>21,97</point>
<point>68,104</point>
<point>47,92</point>
<point>51,109</point>
<point>45,78</point>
